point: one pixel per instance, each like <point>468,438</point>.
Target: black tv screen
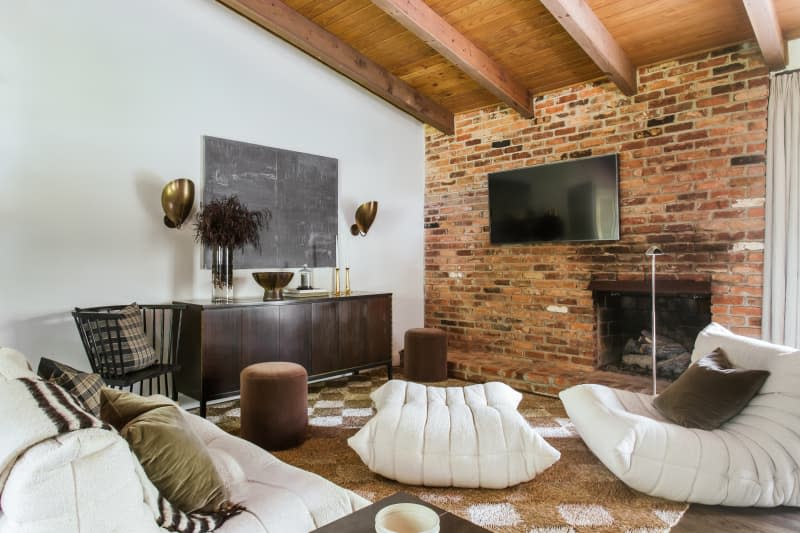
<point>566,201</point>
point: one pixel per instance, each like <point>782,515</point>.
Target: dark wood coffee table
<point>363,520</point>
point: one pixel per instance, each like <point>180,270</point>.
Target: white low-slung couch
<point>751,460</point>
<point>85,481</point>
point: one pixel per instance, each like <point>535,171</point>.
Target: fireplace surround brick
<point>692,180</point>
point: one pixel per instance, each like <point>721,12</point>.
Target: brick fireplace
<point>691,145</point>
<point>623,322</point>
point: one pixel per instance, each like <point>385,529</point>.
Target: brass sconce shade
<point>365,216</point>
<point>177,199</point>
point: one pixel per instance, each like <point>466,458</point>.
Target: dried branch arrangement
<point>227,222</point>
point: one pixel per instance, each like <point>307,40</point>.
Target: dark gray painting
<point>301,191</point>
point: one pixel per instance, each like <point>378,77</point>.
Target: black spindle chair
<point>99,330</point>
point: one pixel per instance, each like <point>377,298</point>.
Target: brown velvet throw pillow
<point>173,456</point>
<point>710,392</point>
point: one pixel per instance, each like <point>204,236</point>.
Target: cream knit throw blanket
<point>38,410</point>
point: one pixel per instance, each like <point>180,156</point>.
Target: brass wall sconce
<point>177,199</point>
<point>365,216</point>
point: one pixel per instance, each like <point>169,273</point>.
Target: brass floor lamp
<point>652,252</point>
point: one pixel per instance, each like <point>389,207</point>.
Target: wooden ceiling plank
<point>421,20</point>
<point>288,24</point>
<point>764,20</point>
<point>789,16</point>
<point>588,31</point>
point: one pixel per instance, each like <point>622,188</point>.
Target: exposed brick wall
<point>692,180</point>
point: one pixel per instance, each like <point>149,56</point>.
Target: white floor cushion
<point>751,460</point>
<point>456,436</point>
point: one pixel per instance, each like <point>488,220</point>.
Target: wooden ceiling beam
<point>588,31</point>
<point>764,20</point>
<point>418,18</point>
<point>291,26</point>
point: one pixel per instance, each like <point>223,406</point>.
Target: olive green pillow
<point>710,392</point>
<point>118,407</point>
<point>173,456</point>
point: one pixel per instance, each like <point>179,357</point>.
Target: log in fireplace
<point>622,315</point>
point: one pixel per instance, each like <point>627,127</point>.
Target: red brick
<point>677,188</point>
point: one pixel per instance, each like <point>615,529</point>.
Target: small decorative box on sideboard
<point>329,336</point>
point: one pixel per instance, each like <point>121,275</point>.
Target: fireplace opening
<point>624,333</point>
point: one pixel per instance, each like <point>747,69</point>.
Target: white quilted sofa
<point>751,460</point>
<point>86,481</point>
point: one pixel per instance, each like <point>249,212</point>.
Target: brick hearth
<point>537,376</point>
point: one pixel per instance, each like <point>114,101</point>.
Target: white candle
<point>344,260</point>
<point>337,251</point>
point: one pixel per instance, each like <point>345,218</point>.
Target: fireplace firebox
<point>624,335</point>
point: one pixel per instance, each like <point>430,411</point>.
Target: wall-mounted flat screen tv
<point>574,200</point>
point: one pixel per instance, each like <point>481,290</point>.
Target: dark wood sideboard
<point>329,336</point>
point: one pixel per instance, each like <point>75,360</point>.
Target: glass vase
<point>221,274</point>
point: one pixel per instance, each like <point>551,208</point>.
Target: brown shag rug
<point>577,494</point>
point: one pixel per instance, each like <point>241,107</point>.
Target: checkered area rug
<point>338,403</point>
<point>577,494</point>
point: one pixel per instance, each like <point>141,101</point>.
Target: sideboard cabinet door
<point>222,346</point>
<point>352,333</point>
<point>379,329</point>
<point>294,335</point>
<point>324,338</point>
<point>259,335</point>
<point>365,331</point>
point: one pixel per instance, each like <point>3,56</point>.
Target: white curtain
<point>781,304</point>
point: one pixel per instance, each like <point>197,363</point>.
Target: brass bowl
<point>273,283</point>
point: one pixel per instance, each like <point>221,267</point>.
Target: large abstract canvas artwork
<point>300,190</point>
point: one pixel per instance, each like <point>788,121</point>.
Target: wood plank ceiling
<point>435,58</point>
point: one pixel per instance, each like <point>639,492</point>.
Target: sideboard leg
<point>389,370</point>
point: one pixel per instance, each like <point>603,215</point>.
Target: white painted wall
<point>794,54</point>
<point>102,102</point>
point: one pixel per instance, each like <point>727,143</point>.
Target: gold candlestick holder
<point>336,289</point>
<point>347,281</point>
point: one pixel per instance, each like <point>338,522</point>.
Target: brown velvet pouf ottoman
<point>274,404</point>
<point>425,354</point>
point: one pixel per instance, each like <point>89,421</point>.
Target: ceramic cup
<point>406,518</point>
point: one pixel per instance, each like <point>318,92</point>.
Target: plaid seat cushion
<point>129,342</point>
<point>84,386</point>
